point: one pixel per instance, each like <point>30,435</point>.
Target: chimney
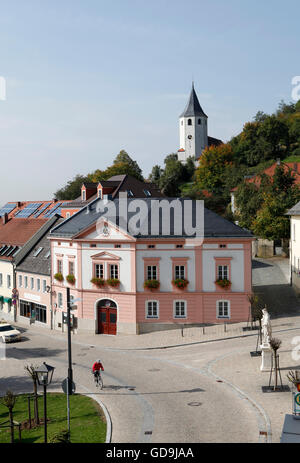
<point>19,204</point>
<point>54,200</point>
<point>5,218</point>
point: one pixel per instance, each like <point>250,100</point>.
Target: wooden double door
<point>107,319</point>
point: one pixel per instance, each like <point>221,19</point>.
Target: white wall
<point>165,267</point>
<point>209,269</point>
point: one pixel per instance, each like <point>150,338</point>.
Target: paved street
<point>270,279</point>
<point>208,392</point>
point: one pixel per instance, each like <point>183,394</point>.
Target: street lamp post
<point>44,376</point>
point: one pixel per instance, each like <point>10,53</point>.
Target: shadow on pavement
<point>258,264</point>
<point>281,300</point>
<point>37,352</point>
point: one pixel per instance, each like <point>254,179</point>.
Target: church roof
<point>193,107</point>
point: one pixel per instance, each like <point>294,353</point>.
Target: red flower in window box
<point>180,283</point>
<point>100,282</point>
<point>71,279</point>
<point>151,284</point>
<point>223,283</point>
<point>59,276</point>
<point>113,282</point>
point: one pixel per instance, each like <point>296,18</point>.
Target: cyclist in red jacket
<point>97,367</point>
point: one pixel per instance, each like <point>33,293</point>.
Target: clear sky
<point>87,78</point>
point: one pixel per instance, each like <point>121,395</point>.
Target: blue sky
<point>87,78</point>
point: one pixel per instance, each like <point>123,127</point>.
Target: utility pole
<point>70,371</point>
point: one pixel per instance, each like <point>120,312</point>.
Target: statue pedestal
<point>266,357</point>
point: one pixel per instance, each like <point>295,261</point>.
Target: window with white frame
<point>20,280</point>
<point>223,309</point>
<point>152,310</point>
<point>8,281</point>
<point>31,283</point>
<point>151,272</point>
<point>38,284</point>
<point>179,309</point>
<point>1,279</point>
<point>59,300</point>
<point>223,273</point>
<point>59,266</point>
<point>44,286</point>
<point>99,270</point>
<point>114,271</point>
<point>26,282</point>
<point>71,268</point>
<point>179,271</point>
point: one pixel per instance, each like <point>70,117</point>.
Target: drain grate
<point>148,432</point>
<point>154,369</point>
<point>194,404</point>
<point>263,433</point>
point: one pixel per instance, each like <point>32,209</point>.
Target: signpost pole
<point>70,371</point>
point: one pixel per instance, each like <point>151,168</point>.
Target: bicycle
<point>98,379</point>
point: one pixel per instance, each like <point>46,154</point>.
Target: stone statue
<point>266,327</point>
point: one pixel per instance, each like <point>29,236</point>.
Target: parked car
<point>8,333</point>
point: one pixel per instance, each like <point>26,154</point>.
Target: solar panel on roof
<point>28,210</point>
<point>3,250</point>
<point>7,208</point>
<point>10,251</point>
<point>51,211</point>
<point>41,210</point>
<point>16,251</point>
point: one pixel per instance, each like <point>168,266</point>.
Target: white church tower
<point>192,130</point>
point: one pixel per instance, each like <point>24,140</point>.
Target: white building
<point>294,213</point>
<point>193,130</point>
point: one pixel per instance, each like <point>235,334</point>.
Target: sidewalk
<point>169,338</point>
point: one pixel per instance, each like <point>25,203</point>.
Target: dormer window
<point>190,122</point>
<point>199,121</point>
<point>129,193</point>
<point>83,195</point>
<point>147,193</point>
<point>36,253</point>
<point>100,193</point>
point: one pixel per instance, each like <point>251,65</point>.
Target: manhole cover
<point>194,404</point>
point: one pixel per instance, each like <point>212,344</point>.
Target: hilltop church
<point>193,130</point>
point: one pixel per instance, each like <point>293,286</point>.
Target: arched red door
<point>107,317</point>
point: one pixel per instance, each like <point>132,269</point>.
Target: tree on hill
<point>261,209</point>
<point>123,164</point>
<point>72,189</point>
<point>214,165</point>
<point>156,174</point>
<point>175,174</point>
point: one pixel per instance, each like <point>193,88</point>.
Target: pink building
<point>137,282</point>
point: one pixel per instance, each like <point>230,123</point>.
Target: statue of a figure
<point>266,326</point>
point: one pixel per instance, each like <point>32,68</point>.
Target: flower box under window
<point>223,283</point>
<point>151,284</point>
<point>180,283</point>
<point>99,282</point>
<point>71,279</point>
<point>59,276</point>
<point>113,282</point>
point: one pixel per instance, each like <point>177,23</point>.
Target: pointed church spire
<point>193,107</point>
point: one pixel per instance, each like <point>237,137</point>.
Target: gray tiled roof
<point>214,225</point>
<point>39,264</point>
<point>193,107</point>
<point>295,210</point>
